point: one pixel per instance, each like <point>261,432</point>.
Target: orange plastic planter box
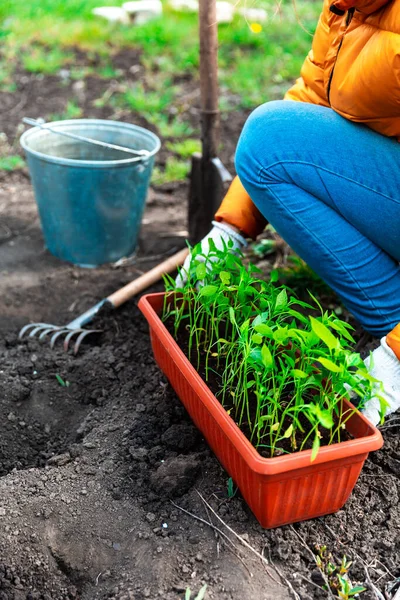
<point>278,490</point>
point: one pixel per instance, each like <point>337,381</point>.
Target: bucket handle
<point>45,126</point>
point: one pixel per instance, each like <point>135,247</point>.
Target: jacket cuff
<point>238,209</point>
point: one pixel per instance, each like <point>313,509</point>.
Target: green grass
<point>184,149</point>
<point>158,102</point>
<point>252,65</point>
<point>11,163</point>
<point>6,81</point>
<point>44,36</point>
<point>173,127</point>
<point>175,170</point>
<point>148,102</point>
<point>72,111</point>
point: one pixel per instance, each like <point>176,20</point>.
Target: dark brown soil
<point>88,471</point>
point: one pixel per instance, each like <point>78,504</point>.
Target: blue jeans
<point>331,189</point>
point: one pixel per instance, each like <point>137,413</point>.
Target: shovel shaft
<point>208,31</point>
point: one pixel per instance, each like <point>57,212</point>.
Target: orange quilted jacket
<point>353,67</point>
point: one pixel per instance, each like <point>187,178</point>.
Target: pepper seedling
<point>281,366</point>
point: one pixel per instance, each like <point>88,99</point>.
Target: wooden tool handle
<point>208,33</point>
<point>144,281</point>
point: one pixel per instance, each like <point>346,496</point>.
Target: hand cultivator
<point>75,329</point>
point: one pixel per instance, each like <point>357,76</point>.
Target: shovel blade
<point>209,180</point>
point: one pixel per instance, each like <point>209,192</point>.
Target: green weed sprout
<point>61,381</point>
<point>283,366</point>
<point>199,596</point>
<point>230,488</point>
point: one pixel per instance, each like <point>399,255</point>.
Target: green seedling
<point>282,373</point>
<point>200,595</point>
<point>230,488</point>
<point>61,381</point>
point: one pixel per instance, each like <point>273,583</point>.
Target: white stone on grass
<point>142,11</point>
<point>113,14</point>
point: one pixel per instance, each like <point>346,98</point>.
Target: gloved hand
<point>384,366</point>
<point>220,234</point>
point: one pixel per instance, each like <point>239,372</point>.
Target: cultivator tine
<point>35,328</point>
<point>47,331</point>
<point>41,330</point>
<point>81,337</point>
<point>57,335</point>
<point>81,333</point>
<point>69,336</point>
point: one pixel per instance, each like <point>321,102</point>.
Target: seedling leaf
<point>61,381</point>
<point>274,276</point>
<point>357,590</point>
<point>324,333</point>
<point>281,300</point>
<point>201,271</point>
<point>256,338</point>
<point>225,277</point>
<point>208,290</point>
<point>231,491</point>
<point>299,373</point>
<point>264,330</point>
<point>288,431</point>
<point>324,417</point>
<point>315,447</point>
<point>266,357</point>
<point>202,592</point>
<point>331,366</point>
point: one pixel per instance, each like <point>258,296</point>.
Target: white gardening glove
<point>221,234</point>
<point>383,365</point>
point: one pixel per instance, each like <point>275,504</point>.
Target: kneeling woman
<point>323,167</point>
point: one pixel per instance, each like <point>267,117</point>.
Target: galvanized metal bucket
<point>90,199</point>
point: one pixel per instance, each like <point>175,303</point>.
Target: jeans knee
<point>257,140</point>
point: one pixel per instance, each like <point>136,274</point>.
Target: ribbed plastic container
<point>278,490</point>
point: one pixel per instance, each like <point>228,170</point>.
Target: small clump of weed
<point>72,111</point>
<point>47,61</point>
<point>336,574</point>
<point>11,163</point>
<point>185,148</point>
<point>9,159</point>
<point>175,170</point>
<point>200,595</point>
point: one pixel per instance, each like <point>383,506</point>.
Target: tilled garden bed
<point>88,473</point>
<point>100,478</point>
